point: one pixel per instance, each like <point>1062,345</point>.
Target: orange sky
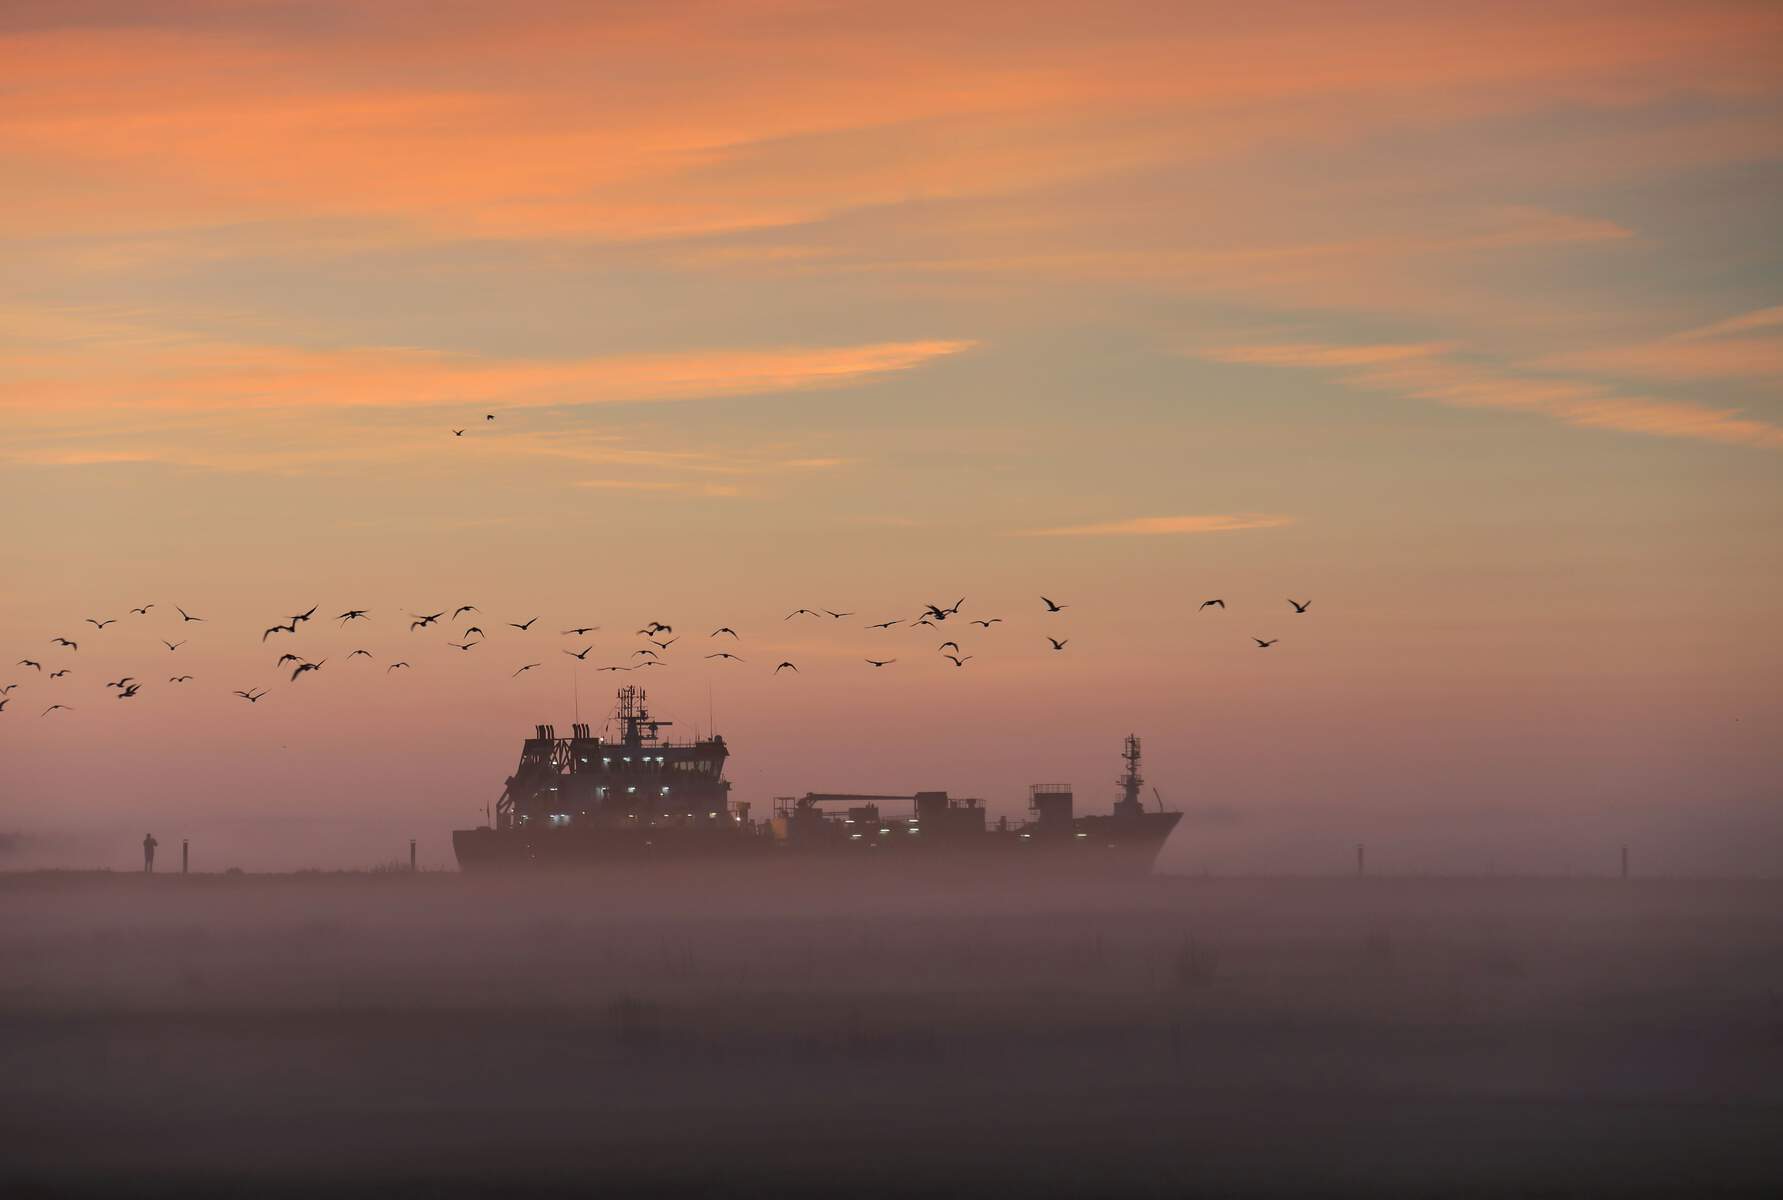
<point>1463,320</point>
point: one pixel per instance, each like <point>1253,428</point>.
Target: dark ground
<point>436,1034</point>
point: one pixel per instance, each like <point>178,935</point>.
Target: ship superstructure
<point>630,794</point>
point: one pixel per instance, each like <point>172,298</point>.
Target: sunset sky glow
<point>1464,321</point>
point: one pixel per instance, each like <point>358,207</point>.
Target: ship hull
<point>1097,846</point>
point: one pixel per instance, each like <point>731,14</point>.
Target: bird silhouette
<point>458,433</point>
<point>836,614</point>
<point>251,696</point>
<point>64,642</point>
<point>464,608</point>
<point>796,612</point>
<point>1214,603</point>
<point>526,668</point>
<point>278,629</point>
<point>1263,645</point>
<point>579,655</point>
<point>126,681</point>
<point>52,708</point>
<point>664,645</point>
<point>179,679</point>
<point>357,653</point>
<point>1058,643</point>
<point>613,668</point>
<point>958,661</point>
<point>352,614</point>
<point>652,628</point>
<point>489,416</point>
<point>285,658</point>
<point>1299,607</point>
<point>304,616</point>
<point>1053,606</point>
<point>3,704</point>
<point>308,666</point>
<point>129,693</point>
<point>989,623</point>
<point>173,645</point>
<point>476,629</point>
<point>945,645</point>
<point>421,622</point>
<point>26,662</point>
<point>59,674</point>
<point>923,621</point>
<point>722,629</point>
<point>395,666</point>
<point>783,666</point>
<point>722,654</point>
<point>7,688</point>
<point>581,631</point>
<point>461,645</point>
<point>141,612</point>
<point>649,662</point>
<point>102,624</point>
<point>522,627</point>
<point>880,662</point>
<point>184,615</point>
<point>886,624</point>
<point>636,653</point>
<point>941,614</point>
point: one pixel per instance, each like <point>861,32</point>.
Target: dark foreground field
<point>437,1034</point>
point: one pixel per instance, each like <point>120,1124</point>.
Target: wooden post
<point>411,855</point>
<point>185,855</point>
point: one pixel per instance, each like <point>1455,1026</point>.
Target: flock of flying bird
<point>659,635</point>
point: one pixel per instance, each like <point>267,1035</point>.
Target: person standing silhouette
<point>148,852</point>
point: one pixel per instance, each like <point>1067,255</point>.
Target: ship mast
<point>1131,781</point>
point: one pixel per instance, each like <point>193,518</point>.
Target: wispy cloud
<point>1439,374</point>
<point>1748,346</point>
<point>682,486</point>
<point>1216,523</point>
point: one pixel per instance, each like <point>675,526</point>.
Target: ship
<point>631,795</point>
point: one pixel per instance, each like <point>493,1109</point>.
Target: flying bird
<point>881,662</point>
<point>179,679</point>
<point>989,623</point>
<point>308,666</point>
<point>278,629</point>
<point>664,645</point>
<point>723,629</point>
<point>64,642</point>
<point>722,654</point>
<point>1058,643</point>
<point>476,629</point>
<point>526,668</point>
<point>285,658</point>
<point>1299,607</point>
<point>461,645</point>
<point>421,622</point>
<point>252,697</point>
<point>130,692</point>
<point>579,655</point>
<point>52,708</point>
<point>1214,603</point>
<point>651,653</point>
<point>141,612</point>
<point>522,627</point>
<point>581,631</point>
<point>652,628</point>
<point>458,433</point>
<point>184,615</point>
<point>394,666</point>
<point>795,612</point>
<point>3,704</point>
<point>7,688</point>
<point>886,624</point>
<point>357,653</point>
<point>126,681</point>
<point>1053,606</point>
<point>352,614</point>
<point>945,645</point>
<point>464,608</point>
<point>923,621</point>
<point>941,614</point>
<point>35,666</point>
<point>173,645</point>
<point>836,614</point>
<point>304,616</point>
<point>1263,645</point>
<point>783,666</point>
<point>101,624</point>
<point>957,661</point>
<point>614,668</point>
<point>59,674</point>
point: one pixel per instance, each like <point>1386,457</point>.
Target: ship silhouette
<point>587,800</point>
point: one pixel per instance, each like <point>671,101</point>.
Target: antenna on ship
<point>1131,781</point>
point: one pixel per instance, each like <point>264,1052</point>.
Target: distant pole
<point>411,854</point>
<point>185,855</point>
<point>1361,862</point>
<point>1625,862</point>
